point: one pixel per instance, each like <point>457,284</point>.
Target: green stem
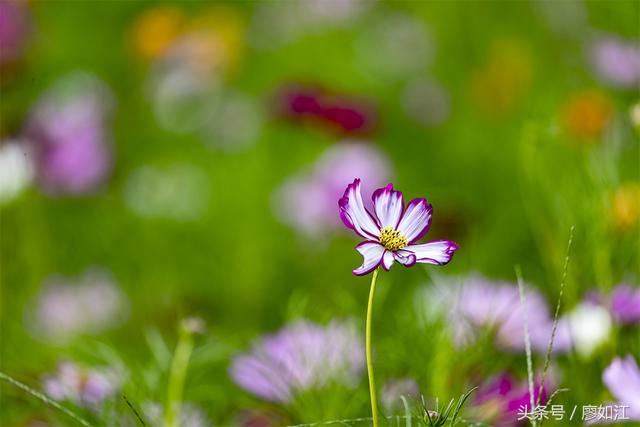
<point>177,376</point>
<point>372,383</point>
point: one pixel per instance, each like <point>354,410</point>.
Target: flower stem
<point>372,383</point>
<point>177,375</point>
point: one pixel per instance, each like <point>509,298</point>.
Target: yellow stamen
<point>392,239</point>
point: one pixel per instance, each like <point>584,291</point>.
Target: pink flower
<point>392,231</point>
<point>85,387</point>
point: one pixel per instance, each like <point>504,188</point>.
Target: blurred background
<point>169,177</point>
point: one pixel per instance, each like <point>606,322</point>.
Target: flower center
<point>392,239</point>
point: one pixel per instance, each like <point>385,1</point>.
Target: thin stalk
<point>527,340</point>
<point>372,383</point>
<point>177,376</point>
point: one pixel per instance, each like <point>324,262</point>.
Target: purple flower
<point>616,61</point>
<point>92,304</point>
<point>15,26</point>
<point>392,231</point>
<point>307,200</point>
<point>500,399</point>
<point>625,304</point>
<point>85,387</point>
<point>479,303</point>
<point>302,356</point>
<point>68,130</point>
<point>622,378</point>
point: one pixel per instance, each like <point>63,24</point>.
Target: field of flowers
<point>319,213</point>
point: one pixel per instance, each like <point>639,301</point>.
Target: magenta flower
<point>622,378</point>
<point>302,356</point>
<point>500,399</point>
<point>392,231</point>
<point>15,27</point>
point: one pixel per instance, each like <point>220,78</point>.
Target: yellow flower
<point>625,206</point>
<point>156,29</point>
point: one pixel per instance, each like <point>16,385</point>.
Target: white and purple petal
<point>388,205</point>
<point>387,260</point>
<point>405,258</point>
<point>354,215</point>
<point>437,252</point>
<point>416,220</point>
<point>372,253</point>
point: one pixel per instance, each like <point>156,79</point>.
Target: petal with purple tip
<point>405,258</point>
<point>437,252</point>
<point>372,253</point>
<point>354,215</point>
<point>388,205</point>
<point>416,220</point>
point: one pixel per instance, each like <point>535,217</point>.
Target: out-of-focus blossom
<point>589,326</point>
<point>391,230</point>
<point>499,400</point>
<point>88,387</point>
<point>275,24</point>
<point>394,389</point>
<point>302,356</point>
<point>625,304</point>
<point>616,61</point>
<point>235,124</point>
<point>259,418</point>
<point>185,81</point>
<point>16,169</point>
<point>427,103</point>
<point>90,305</point>
<point>586,114</point>
<point>634,114</point>
<point>70,137</point>
<point>338,113</point>
<point>564,18</point>
<point>395,47</point>
<point>190,415</point>
<point>179,192</point>
<point>155,29</point>
<point>625,206</point>
<point>15,28</point>
<point>498,86</point>
<point>307,200</point>
<point>622,378</point>
<point>475,303</point>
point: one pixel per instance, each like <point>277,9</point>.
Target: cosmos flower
<point>499,400</point>
<point>472,305</point>
<point>622,378</point>
<point>88,387</point>
<point>616,61</point>
<point>65,309</point>
<point>301,357</point>
<point>392,231</point>
<point>307,200</point>
<point>625,304</point>
<point>68,131</point>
